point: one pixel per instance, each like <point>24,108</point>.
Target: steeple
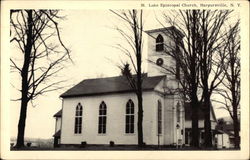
<point>159,42</point>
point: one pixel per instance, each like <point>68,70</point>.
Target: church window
<point>177,72</point>
<point>159,116</point>
<point>159,43</point>
<point>178,111</point>
<point>129,117</point>
<point>78,119</point>
<point>102,118</point>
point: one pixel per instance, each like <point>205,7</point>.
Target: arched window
<point>159,117</point>
<point>177,65</point>
<point>102,118</point>
<point>159,43</point>
<point>129,117</point>
<point>178,111</point>
<point>177,74</point>
<point>78,119</point>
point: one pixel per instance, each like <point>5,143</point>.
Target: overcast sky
<point>89,36</point>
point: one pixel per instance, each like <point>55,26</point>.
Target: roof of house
<point>188,112</point>
<point>223,131</point>
<point>227,128</point>
<point>109,85</point>
<point>58,114</point>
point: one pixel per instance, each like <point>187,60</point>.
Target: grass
<point>109,148</point>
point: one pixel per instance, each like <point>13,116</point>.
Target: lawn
<point>113,148</point>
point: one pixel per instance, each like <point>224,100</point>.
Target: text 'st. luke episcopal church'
<point>98,111</point>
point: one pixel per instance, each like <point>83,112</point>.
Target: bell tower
<point>158,44</point>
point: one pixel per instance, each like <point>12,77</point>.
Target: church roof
<point>100,86</point>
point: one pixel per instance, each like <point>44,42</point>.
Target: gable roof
<point>188,112</point>
<point>225,128</point>
<point>58,114</point>
<point>109,85</point>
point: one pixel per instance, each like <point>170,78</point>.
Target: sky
<point>90,35</point>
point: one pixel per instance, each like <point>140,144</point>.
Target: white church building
<point>101,110</point>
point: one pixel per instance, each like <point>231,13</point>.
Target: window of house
<point>159,43</point>
<point>102,118</point>
<point>129,128</point>
<point>202,135</point>
<point>78,119</point>
<point>159,115</point>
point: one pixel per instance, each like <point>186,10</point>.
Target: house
<point>201,119</point>
<point>104,110</point>
<point>223,140</point>
<point>225,134</point>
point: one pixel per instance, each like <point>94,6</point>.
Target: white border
<point>5,95</point>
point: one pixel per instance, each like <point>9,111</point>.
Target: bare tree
<point>184,50</point>
<point>230,89</point>
<point>133,18</point>
<point>203,37</point>
<point>36,34</point>
<point>211,61</point>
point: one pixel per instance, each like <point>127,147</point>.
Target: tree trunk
<point>25,85</point>
<point>207,105</point>
<point>236,124</point>
<point>236,132</point>
<point>195,117</point>
<point>234,103</point>
<point>140,121</point>
<point>139,97</point>
<point>204,77</point>
<point>207,122</point>
<point>194,98</point>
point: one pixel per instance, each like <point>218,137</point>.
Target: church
<point>104,110</point>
